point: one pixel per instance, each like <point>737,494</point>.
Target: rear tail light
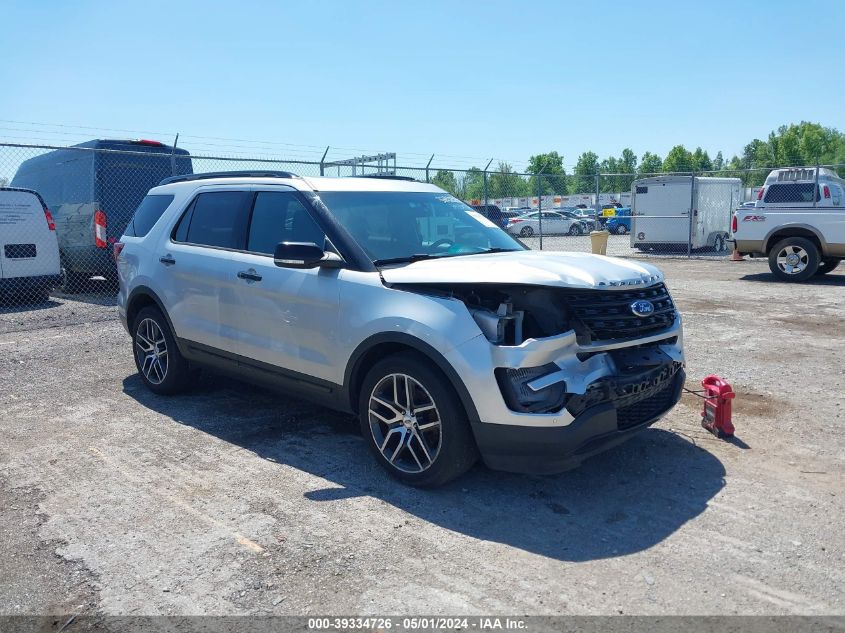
<point>734,224</point>
<point>760,193</point>
<point>100,239</point>
<point>116,248</point>
<point>49,217</point>
<point>145,141</point>
<point>826,191</point>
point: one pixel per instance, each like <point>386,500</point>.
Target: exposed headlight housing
<point>523,393</point>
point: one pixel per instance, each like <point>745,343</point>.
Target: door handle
<point>249,275</point>
<point>167,260</point>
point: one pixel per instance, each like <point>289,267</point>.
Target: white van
<point>29,250</point>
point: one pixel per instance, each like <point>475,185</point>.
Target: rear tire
<point>526,231</point>
<point>621,229</point>
<point>73,282</point>
<point>160,364</point>
<point>794,259</point>
<point>423,439</point>
<point>828,265</point>
<point>576,229</point>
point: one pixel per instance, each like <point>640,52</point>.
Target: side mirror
<point>304,255</point>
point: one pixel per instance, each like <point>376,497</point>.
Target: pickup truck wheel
<point>526,231</point>
<point>159,362</point>
<point>828,265</point>
<point>794,259</point>
<point>414,423</point>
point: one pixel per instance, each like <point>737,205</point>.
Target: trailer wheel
<point>719,244</point>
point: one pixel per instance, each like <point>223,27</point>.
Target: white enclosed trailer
<point>675,211</point>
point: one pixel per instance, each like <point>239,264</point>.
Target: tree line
<point>790,145</point>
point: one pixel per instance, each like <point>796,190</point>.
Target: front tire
<point>621,229</point>
<point>828,265</point>
<point>413,422</point>
<point>160,364</point>
<point>794,259</point>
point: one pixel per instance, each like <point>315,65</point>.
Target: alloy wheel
<point>405,423</point>
<point>151,351</point>
<point>793,260</point>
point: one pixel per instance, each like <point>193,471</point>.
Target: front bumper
<point>548,450</point>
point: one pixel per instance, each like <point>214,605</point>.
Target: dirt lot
<point>232,500</point>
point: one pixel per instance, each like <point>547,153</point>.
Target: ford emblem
<point>642,308</point>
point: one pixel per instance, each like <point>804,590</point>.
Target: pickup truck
<point>798,223</point>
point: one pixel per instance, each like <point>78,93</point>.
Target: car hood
<point>538,268</point>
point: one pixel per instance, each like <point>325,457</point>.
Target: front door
<point>288,317</point>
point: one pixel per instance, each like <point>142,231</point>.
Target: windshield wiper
<point>493,250</point>
<point>408,259</point>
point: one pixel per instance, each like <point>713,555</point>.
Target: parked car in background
<point>494,213</point>
<point>29,251</point>
<point>589,222</point>
<point>797,222</point>
<point>619,225</point>
<point>552,224</point>
<point>93,189</point>
<point>361,294</point>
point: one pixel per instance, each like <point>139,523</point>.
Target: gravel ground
<point>234,500</point>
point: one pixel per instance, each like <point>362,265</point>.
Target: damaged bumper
<point>605,394</point>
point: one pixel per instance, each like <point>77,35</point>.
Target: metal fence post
<point>427,166</point>
<point>173,155</point>
<point>323,162</point>
<point>816,185</point>
<point>691,213</point>
<point>540,206</point>
<point>485,183</point>
<point>598,204</point>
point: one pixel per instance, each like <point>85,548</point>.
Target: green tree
<point>650,164</point>
<point>701,160</point>
<point>446,180</point>
<point>504,183</point>
<point>678,159</point>
<point>718,162</point>
<point>586,168</point>
<point>553,180</point>
<point>473,184</point>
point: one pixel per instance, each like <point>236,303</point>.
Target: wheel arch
<point>386,343</point>
<point>142,297</point>
<point>794,230</point>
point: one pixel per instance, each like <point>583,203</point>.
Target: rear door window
<point>219,219</point>
<point>147,214</point>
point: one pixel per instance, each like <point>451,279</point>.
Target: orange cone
<point>736,257</point>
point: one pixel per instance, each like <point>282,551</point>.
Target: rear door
<point>662,213</point>
<point>194,268</point>
<point>28,246</point>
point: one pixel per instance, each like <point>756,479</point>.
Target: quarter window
<point>147,214</point>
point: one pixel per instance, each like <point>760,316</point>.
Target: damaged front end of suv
<point>578,369</point>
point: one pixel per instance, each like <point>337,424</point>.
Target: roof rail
<point>387,177</point>
<point>228,174</point>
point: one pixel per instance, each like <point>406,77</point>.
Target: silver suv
<point>393,300</point>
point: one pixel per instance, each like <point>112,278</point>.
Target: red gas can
<point>716,416</point>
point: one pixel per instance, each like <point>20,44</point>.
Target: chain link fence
<point>62,208</point>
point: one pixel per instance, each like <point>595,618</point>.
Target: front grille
<point>637,398</point>
<point>606,315</point>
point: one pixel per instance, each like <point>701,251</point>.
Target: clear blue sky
<point>463,80</point>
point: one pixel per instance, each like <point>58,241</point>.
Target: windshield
<point>397,226</point>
